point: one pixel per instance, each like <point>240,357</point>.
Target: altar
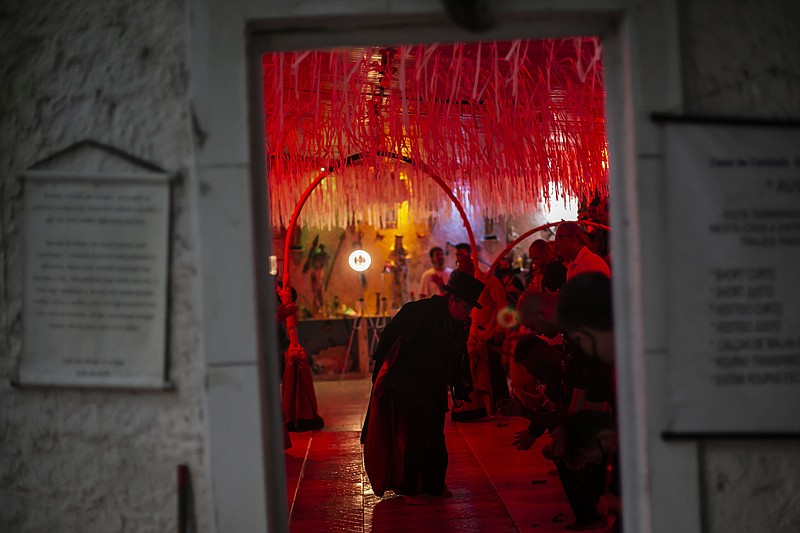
<point>340,345</point>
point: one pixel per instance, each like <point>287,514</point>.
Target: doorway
<point>277,40</point>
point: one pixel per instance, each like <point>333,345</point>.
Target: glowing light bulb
<point>359,260</point>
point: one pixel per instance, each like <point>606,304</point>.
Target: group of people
<point>560,374</point>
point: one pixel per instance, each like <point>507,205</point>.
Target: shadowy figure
<point>419,355</point>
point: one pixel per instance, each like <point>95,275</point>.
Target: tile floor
<point>496,488</point>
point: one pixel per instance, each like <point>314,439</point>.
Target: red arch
<point>348,161</point>
<point>528,233</point>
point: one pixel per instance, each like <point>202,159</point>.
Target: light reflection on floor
<point>496,488</point>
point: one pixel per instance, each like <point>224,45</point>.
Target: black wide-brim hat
<point>465,287</point>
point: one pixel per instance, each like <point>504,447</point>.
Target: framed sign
<point>733,238</point>
<point>96,280</point>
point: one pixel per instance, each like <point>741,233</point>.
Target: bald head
<point>540,253</point>
<point>569,240</point>
<point>571,229</point>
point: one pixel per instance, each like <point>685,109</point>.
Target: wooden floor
<point>496,488</point>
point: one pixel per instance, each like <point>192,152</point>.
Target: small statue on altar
<point>400,285</point>
<point>318,260</point>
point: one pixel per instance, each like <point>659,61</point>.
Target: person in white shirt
<point>570,245</point>
<point>435,278</point>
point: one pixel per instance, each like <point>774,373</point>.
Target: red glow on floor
<point>495,488</point>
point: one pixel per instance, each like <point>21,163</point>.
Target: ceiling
<point>505,124</point>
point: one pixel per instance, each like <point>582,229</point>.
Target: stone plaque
<point>96,280</point>
<point>733,237</point>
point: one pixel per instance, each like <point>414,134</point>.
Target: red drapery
<point>505,124</point>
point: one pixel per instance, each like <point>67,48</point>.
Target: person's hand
<point>523,440</point>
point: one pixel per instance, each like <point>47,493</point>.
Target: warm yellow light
<point>359,260</point>
<point>403,215</point>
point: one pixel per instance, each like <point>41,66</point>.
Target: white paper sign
<point>733,235</point>
<point>95,306</point>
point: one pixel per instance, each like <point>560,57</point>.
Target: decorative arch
<point>349,160</point>
<point>528,233</point>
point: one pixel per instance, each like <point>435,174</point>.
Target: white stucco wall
<point>99,460</point>
<point>741,60</point>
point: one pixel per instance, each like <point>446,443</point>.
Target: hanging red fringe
<point>506,125</point>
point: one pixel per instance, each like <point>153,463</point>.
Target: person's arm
<point>402,324</point>
<point>484,320</point>
<point>582,399</point>
<point>600,386</point>
<point>577,403</point>
<point>388,337</point>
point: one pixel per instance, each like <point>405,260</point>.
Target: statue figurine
<point>319,261</point>
<point>400,285</point>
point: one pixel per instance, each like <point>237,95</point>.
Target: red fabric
<point>298,396</point>
<point>504,124</point>
<point>385,442</point>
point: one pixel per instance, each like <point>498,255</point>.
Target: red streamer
<point>503,124</point>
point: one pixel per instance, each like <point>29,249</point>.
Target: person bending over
<point>417,358</point>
